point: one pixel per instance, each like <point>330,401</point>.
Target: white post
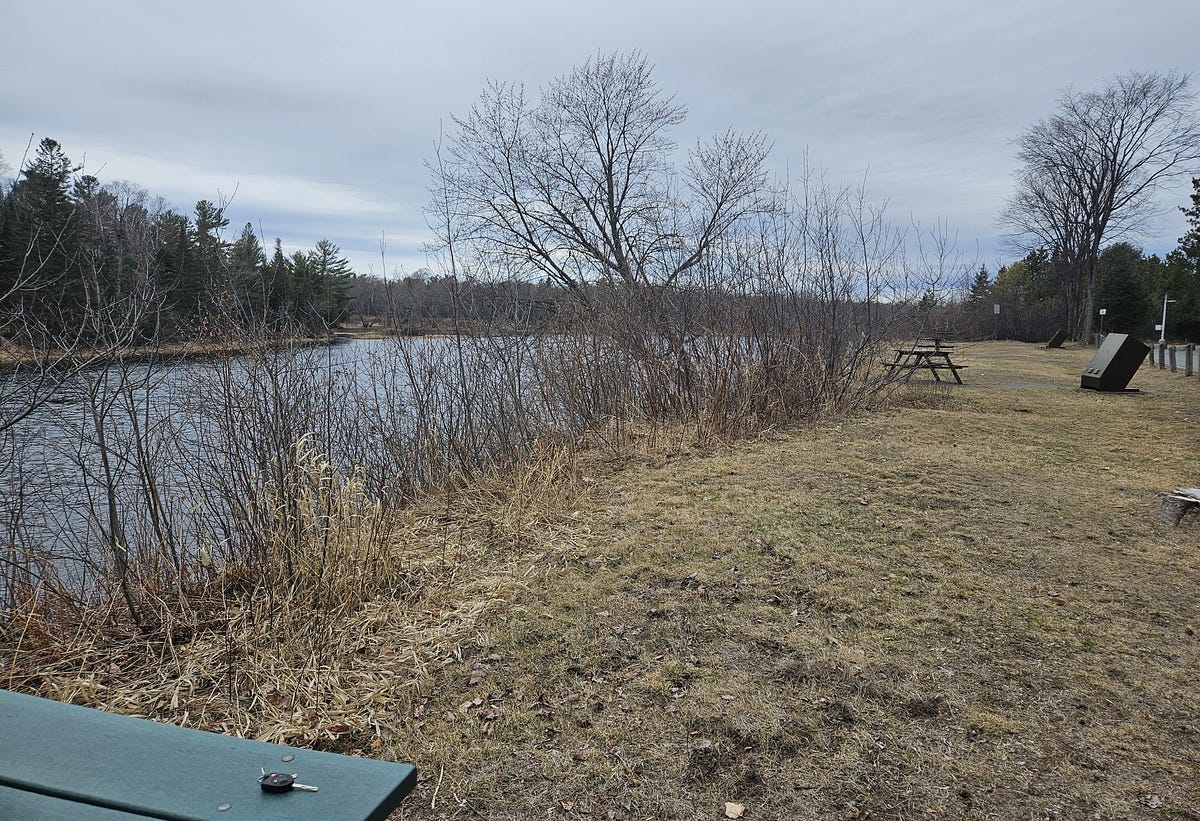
<point>1162,334</point>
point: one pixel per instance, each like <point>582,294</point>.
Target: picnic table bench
<point>61,761</point>
<point>926,353</point>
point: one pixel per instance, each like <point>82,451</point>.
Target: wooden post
<point>1171,358</point>
<point>1189,355</point>
<point>1162,355</point>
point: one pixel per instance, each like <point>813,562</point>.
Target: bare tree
<point>939,271</point>
<point>1090,171</point>
<point>580,187</point>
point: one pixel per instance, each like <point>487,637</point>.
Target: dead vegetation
<point>961,605</point>
<point>332,653</point>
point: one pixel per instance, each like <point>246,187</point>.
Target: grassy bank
<point>961,605</point>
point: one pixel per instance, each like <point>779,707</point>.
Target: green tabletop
<point>53,755</point>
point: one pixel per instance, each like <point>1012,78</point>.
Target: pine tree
<point>333,275</point>
<point>1189,243</point>
<point>37,246</point>
<point>277,278</point>
<point>981,288</point>
<point>204,280</point>
<point>302,286</point>
<point>1122,289</point>
<point>175,267</point>
<point>1179,277</point>
<point>246,268</point>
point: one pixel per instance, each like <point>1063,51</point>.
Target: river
<point>153,457</point>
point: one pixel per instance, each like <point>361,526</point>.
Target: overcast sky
<point>320,117</point>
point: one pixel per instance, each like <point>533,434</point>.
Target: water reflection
<point>118,454</point>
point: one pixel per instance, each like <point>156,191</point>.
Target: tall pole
<point>1162,334</point>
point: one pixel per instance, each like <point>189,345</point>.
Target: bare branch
<point>579,187</point>
<point>1090,171</point>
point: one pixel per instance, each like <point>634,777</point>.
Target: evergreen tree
<point>175,267</point>
<point>37,246</point>
<point>333,275</point>
<point>277,278</point>
<point>981,288</point>
<point>1189,243</point>
<point>302,286</point>
<point>1029,281</point>
<point>203,281</point>
<point>246,264</point>
<point>1178,277</point>
<point>977,307</point>
<point>1122,289</point>
<point>78,256</point>
<point>246,253</point>
<point>1028,292</point>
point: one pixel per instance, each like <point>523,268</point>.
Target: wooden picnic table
<point>930,353</point>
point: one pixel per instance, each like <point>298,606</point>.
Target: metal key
<point>281,782</point>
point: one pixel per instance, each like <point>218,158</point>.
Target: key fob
<point>276,782</point>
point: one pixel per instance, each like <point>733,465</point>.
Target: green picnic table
<point>61,761</point>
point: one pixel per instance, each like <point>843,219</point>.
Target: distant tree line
<point>1033,292</point>
<point>545,208</point>
<point>80,258</point>
<point>425,302</point>
<point>1089,173</point>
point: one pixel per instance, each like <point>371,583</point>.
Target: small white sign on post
<point>996,309</point>
<point>1103,311</point>
<point>1158,327</point>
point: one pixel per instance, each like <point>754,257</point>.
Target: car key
<point>281,782</point>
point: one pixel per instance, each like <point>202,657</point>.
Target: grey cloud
<point>322,116</point>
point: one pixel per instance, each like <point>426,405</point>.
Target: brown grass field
<point>961,606</point>
<point>958,605</point>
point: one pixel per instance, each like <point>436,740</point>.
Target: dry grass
<point>330,659</point>
<point>961,605</point>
